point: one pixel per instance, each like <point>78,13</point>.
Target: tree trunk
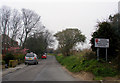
<point>23,46</point>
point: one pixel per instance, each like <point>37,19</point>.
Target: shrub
<point>8,57</point>
<point>17,50</point>
<point>75,64</point>
<point>19,57</point>
<point>98,68</point>
<point>103,71</point>
<point>59,58</point>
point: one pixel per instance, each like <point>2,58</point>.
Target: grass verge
<point>76,64</point>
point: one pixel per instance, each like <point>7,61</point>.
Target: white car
<point>31,58</point>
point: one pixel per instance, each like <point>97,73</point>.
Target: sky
<point>58,15</point>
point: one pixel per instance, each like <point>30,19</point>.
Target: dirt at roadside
<point>88,76</point>
<point>81,75</point>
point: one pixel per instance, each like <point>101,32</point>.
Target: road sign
<point>102,43</point>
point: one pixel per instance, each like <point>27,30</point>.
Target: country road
<point>47,70</point>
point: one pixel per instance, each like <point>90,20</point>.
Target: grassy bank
<point>79,63</point>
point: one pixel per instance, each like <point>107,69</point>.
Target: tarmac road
<point>47,70</point>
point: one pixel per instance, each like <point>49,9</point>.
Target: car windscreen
<point>44,55</point>
<point>29,55</point>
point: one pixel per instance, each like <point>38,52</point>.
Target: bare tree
<point>5,13</point>
<point>15,23</point>
<point>21,36</point>
<point>30,21</point>
<point>48,38</point>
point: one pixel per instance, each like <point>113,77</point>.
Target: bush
<point>70,62</point>
<point>104,72</point>
<point>19,57</point>
<point>8,57</point>
<point>76,64</point>
<point>90,55</point>
<point>59,58</point>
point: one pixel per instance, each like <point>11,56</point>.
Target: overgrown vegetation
<point>105,30</point>
<point>109,29</point>
<point>85,60</point>
<point>80,62</point>
<point>8,57</point>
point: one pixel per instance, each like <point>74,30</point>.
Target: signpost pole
<point>97,53</point>
<point>106,54</point>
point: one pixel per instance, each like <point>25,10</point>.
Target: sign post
<point>106,54</point>
<point>97,53</point>
<point>101,43</point>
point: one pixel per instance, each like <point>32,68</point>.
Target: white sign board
<point>102,43</point>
